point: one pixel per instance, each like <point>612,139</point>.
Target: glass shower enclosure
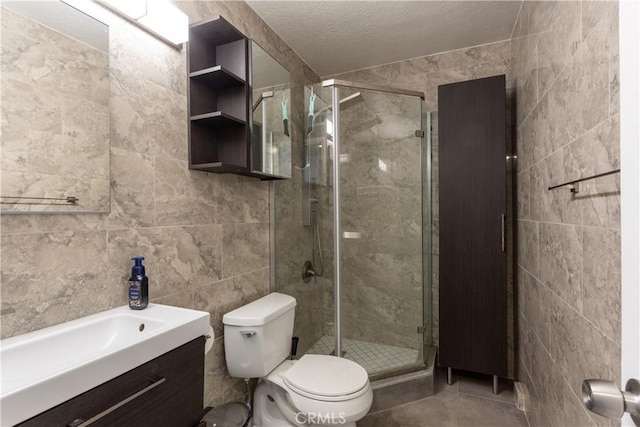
<point>366,202</point>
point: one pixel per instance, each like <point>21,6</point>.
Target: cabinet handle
<point>82,423</point>
<point>502,231</point>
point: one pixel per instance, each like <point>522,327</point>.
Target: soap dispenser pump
<point>138,286</point>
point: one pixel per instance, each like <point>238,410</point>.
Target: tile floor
<point>469,401</point>
<point>373,357</point>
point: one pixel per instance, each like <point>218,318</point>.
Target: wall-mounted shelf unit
<point>219,99</point>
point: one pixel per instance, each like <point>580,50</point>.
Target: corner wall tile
<point>597,152</point>
<point>53,278</point>
<point>245,248</point>
<point>179,299</point>
<point>536,309</point>
<point>524,52</point>
<point>139,112</point>
<point>223,296</point>
<point>256,200</point>
<point>132,174</point>
<point>528,249</point>
<point>540,133</point>
<point>558,205</point>
<point>177,259</point>
<point>614,60</point>
<point>557,46</point>
<point>182,196</point>
<point>535,17</point>
<point>523,196</point>
<point>576,98</point>
<point>602,280</point>
<point>576,345</point>
<point>561,261</point>
<point>137,53</point>
<point>216,376</point>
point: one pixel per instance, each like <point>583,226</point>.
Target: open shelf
<point>217,117</point>
<point>219,167</point>
<point>217,77</point>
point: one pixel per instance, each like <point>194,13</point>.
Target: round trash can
<point>234,414</point>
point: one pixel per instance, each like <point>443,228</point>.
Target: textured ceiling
<point>339,36</point>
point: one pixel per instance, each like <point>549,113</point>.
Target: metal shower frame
<point>335,85</point>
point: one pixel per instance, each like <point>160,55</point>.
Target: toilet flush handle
<point>248,334</point>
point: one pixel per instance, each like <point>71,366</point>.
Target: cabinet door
<point>473,259</point>
<point>167,391</point>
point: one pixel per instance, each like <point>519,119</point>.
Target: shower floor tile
<point>371,356</point>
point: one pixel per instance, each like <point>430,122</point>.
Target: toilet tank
<point>257,336</point>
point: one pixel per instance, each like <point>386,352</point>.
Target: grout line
<point>230,277</point>
<point>597,328</point>
<point>488,398</point>
<point>569,224</point>
<point>155,185</point>
<point>337,75</point>
<point>515,24</point>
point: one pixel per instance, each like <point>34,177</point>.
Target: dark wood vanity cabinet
<point>473,208</point>
<point>167,391</point>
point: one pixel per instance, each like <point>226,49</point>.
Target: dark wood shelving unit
<point>219,99</point>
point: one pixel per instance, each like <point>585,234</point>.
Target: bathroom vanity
<point>166,391</point>
<point>120,367</point>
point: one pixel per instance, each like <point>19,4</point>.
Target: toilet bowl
<point>315,390</point>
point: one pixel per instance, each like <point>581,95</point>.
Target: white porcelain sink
<point>42,369</point>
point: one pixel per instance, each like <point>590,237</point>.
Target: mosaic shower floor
<point>371,356</point>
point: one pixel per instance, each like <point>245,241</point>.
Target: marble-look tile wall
<point>565,71</point>
<point>55,91</point>
<point>425,74</point>
<point>205,236</point>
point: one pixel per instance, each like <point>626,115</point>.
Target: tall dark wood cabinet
<point>473,208</point>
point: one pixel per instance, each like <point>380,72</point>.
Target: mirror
<point>55,109</point>
<point>271,132</point>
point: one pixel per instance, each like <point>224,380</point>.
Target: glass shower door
<point>381,232</point>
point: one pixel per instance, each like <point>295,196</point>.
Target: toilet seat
<point>326,378</point>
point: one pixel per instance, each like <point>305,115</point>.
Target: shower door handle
<point>503,231</point>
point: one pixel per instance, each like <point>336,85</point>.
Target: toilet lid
<point>327,376</point>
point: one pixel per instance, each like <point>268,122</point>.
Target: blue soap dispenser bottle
<point>138,286</point>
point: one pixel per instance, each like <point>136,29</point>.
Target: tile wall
<point>205,237</point>
<point>565,70</point>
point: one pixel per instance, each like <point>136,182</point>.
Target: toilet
<point>315,390</point>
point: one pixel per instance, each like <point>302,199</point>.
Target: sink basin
<point>44,368</point>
